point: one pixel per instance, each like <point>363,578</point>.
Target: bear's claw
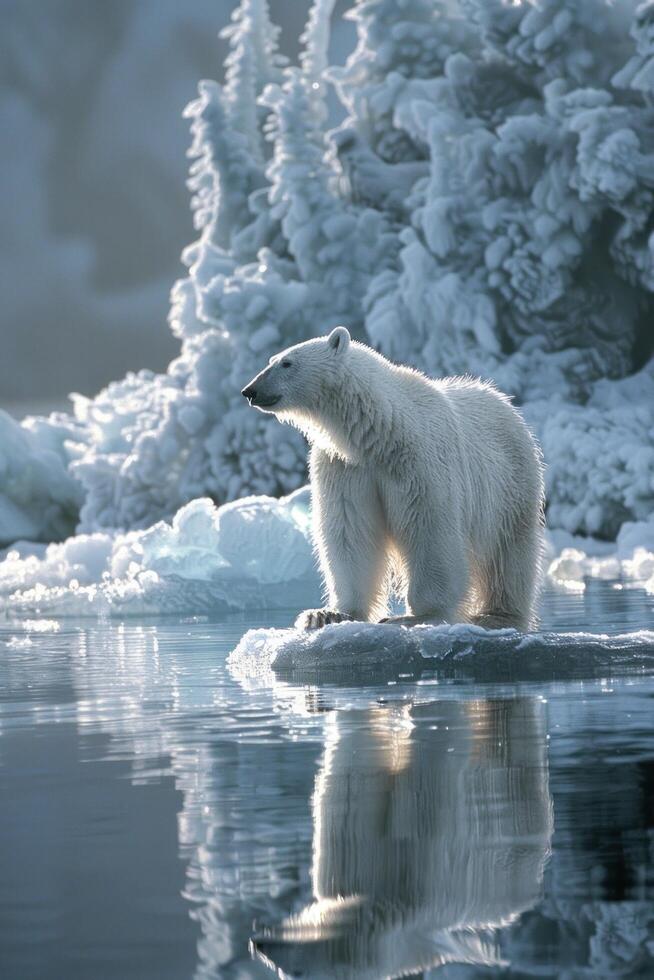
<point>314,619</point>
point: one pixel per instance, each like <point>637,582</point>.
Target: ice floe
<point>459,649</point>
<point>630,558</point>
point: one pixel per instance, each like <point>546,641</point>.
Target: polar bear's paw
<point>314,619</point>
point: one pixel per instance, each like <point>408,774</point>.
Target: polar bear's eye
<point>286,363</point>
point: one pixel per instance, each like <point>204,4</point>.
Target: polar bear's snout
<point>261,391</point>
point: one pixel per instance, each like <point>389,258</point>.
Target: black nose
<point>250,393</point>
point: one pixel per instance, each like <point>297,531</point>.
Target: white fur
<point>436,481</point>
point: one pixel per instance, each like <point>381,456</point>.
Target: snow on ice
<point>467,650</point>
<point>252,553</point>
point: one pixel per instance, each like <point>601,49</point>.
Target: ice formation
<point>485,206</point>
<point>39,497</point>
<point>252,553</point>
<point>631,559</point>
<point>468,650</point>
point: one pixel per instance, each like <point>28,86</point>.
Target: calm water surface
<point>162,818</point>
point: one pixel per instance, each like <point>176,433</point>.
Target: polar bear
<point>431,487</point>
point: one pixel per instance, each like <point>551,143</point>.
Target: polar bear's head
<point>292,381</point>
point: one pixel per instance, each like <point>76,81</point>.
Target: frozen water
<point>461,650</point>
<point>632,558</point>
<point>253,553</point>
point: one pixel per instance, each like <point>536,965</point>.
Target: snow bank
<point>39,497</point>
<point>468,650</point>
<point>255,553</point>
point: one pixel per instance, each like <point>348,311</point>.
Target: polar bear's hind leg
<point>509,581</point>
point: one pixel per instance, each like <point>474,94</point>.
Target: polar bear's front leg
<point>351,540</point>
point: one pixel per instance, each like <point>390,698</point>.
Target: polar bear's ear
<point>339,339</point>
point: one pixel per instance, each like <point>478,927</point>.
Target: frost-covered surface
<point>485,207</point>
<point>469,650</point>
<point>600,456</point>
<point>253,553</point>
<point>39,497</point>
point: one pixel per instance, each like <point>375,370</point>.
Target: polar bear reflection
<point>432,825</point>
